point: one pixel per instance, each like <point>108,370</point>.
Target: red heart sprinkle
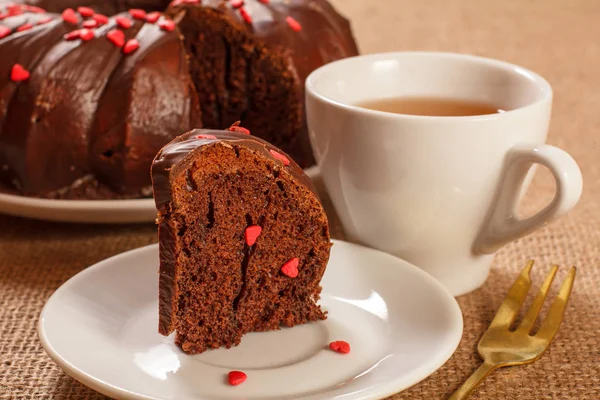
<point>264,1</point>
<point>2,16</point>
<point>44,20</point>
<point>152,17</point>
<point>137,13</point>
<point>18,73</point>
<point>236,377</point>
<point>295,25</point>
<point>72,35</point>
<point>4,31</point>
<point>206,137</point>
<point>238,129</point>
<point>69,16</point>
<point>117,37</point>
<point>131,46</point>
<point>90,23</point>
<point>290,268</point>
<point>236,3</point>
<point>86,34</point>
<point>340,346</point>
<point>100,18</point>
<point>124,22</point>
<point>252,233</point>
<point>85,11</point>
<point>245,15</point>
<point>24,27</point>
<point>167,25</point>
<point>280,157</point>
<point>14,9</point>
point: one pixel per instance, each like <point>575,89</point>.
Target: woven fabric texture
<point>558,39</point>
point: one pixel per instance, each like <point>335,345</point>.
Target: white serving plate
<point>100,327</point>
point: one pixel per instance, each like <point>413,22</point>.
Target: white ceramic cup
<point>439,192</point>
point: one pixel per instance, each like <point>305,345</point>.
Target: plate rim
<point>117,211</point>
<point>108,389</point>
<point>71,204</point>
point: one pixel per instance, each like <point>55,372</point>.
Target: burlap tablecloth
<point>558,39</point>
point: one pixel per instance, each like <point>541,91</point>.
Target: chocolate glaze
<point>57,132</point>
<point>165,163</point>
<point>166,278</point>
<point>16,99</point>
<point>124,144</point>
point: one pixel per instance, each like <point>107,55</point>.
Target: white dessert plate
<point>86,211</point>
<point>402,325</point>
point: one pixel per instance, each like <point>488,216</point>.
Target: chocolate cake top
<point>180,147</point>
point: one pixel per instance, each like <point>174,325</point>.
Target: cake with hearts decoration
<point>91,90</point>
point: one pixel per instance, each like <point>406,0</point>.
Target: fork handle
<point>467,388</point>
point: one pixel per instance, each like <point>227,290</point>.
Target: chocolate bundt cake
<point>243,239</point>
<point>87,98</point>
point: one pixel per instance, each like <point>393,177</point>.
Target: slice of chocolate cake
<point>243,238</point>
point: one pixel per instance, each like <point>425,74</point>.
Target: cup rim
<point>545,88</point>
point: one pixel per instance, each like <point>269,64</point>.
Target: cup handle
<point>502,224</point>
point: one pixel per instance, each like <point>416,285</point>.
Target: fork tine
<point>552,321</point>
<point>538,302</point>
<point>509,309</point>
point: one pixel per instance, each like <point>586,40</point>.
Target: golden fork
<point>501,346</point>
